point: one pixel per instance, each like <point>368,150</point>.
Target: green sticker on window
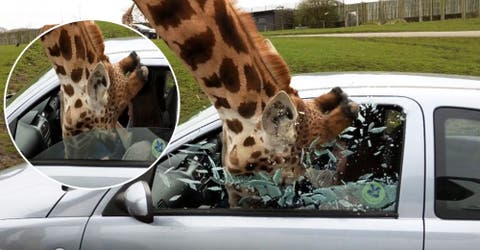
<point>158,145</point>
<point>373,193</point>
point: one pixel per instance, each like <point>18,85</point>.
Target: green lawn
<point>8,154</point>
<point>446,25</point>
<point>430,55</point>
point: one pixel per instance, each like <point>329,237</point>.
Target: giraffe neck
<point>222,49</point>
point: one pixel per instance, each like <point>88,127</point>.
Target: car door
<point>183,222</point>
<point>452,217</point>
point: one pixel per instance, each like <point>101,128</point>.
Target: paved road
<point>475,33</point>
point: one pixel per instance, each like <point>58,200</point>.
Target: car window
<point>366,158</point>
<point>140,138</point>
<point>457,158</point>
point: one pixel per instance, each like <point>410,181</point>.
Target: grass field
<point>306,55</point>
<point>446,25</point>
<point>8,154</point>
<point>430,55</point>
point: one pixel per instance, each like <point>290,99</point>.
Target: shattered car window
<point>358,172</point>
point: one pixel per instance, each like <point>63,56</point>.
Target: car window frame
<point>405,205</point>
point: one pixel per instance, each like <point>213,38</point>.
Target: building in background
<point>273,18</point>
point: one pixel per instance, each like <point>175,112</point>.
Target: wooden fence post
<point>442,10</point>
<point>420,11</point>
<point>431,10</point>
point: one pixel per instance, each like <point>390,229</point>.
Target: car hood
<point>25,193</point>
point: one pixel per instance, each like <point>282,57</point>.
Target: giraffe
<point>265,123</point>
<point>94,92</point>
<point>127,17</point>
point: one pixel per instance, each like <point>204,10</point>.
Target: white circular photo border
<point>18,114</point>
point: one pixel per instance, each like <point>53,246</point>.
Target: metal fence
<point>409,10</point>
<point>18,36</point>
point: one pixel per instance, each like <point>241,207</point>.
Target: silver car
<point>410,180</point>
<point>34,122</point>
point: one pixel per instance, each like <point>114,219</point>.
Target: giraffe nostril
<point>250,167</point>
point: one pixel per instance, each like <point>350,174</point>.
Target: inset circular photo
<point>91,104</point>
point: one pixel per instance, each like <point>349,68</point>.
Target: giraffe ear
<point>98,84</point>
<point>278,120</point>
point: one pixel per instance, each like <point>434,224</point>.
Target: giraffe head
<point>285,126</point>
<point>94,92</point>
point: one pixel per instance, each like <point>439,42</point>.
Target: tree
<point>317,13</point>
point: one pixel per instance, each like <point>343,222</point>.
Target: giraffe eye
<point>250,167</point>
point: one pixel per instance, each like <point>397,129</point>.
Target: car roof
<point>389,80</point>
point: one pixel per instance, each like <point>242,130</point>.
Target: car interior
<point>192,178</point>
<point>37,133</point>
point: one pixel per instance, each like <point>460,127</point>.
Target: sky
<point>36,13</point>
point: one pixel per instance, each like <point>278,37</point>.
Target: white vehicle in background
<point>415,145</point>
<point>145,30</point>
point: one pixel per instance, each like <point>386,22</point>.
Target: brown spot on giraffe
<point>221,103</point>
<point>256,154</point>
<point>65,45</point>
<point>198,49</point>
<point>60,70</point>
<point>213,81</point>
<point>76,74</point>
<point>78,104</point>
<point>228,29</point>
<point>170,13</point>
<point>235,125</point>
<point>249,141</point>
<point>54,50</point>
<point>68,89</point>
<point>80,49</point>
<point>247,109</point>
<point>229,75</point>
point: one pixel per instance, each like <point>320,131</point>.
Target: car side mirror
<point>138,201</point>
